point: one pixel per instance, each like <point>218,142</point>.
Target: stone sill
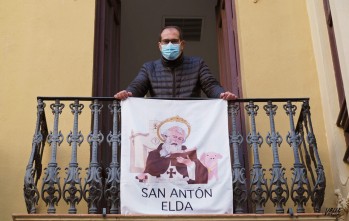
<point>201,217</point>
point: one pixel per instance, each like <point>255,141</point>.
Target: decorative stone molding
<point>343,204</point>
<point>177,217</point>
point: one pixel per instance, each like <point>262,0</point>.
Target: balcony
<point>295,187</point>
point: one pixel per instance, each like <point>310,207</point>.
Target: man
<point>174,75</point>
<point>172,158</point>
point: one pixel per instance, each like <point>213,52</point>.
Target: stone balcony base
<point>201,217</point>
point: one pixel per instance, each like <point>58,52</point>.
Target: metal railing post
<point>278,189</point>
<point>259,193</point>
<point>318,193</point>
<point>239,178</point>
<point>112,185</point>
<point>51,188</point>
<point>31,193</point>
<point>93,188</point>
<point>72,189</point>
<point>300,184</point>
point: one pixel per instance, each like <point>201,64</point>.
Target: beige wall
<point>277,60</point>
<point>46,49</point>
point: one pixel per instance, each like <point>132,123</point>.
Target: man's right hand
<point>122,95</point>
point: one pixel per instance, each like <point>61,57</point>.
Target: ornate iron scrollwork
<point>318,193</point>
<point>259,193</point>
<point>31,193</point>
<point>51,189</point>
<point>72,189</point>
<point>93,188</point>
<point>300,188</point>
<point>278,189</point>
<point>239,178</point>
<point>112,184</point>
<point>259,190</point>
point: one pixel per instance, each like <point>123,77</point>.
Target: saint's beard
<point>172,147</point>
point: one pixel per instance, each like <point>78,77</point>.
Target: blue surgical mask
<point>170,51</point>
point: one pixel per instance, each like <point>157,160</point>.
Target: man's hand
<point>228,96</point>
<point>185,161</point>
<point>122,95</point>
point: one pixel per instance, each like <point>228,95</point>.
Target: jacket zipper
<point>174,82</point>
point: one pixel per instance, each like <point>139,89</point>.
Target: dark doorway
<point>134,43</point>
<point>106,69</point>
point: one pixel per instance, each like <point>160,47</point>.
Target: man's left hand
<point>185,161</point>
<point>228,96</point>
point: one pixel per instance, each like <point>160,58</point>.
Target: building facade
<point>257,48</point>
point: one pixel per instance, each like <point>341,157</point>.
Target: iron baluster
<point>239,178</point>
<point>278,189</point>
<point>72,189</point>
<point>307,161</point>
<point>259,193</point>
<point>51,189</point>
<point>40,150</point>
<point>93,188</point>
<point>112,185</point>
<point>318,193</point>
<point>31,193</point>
<point>300,183</point>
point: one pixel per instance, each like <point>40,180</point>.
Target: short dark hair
<point>174,27</point>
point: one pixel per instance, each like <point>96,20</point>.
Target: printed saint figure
<point>172,157</point>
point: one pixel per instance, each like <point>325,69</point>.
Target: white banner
<point>175,157</point>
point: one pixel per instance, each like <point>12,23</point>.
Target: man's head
<point>177,30</point>
<point>171,43</point>
<point>174,136</point>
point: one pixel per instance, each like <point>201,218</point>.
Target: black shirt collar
<point>174,63</point>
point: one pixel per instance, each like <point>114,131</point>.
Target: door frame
<point>229,69</point>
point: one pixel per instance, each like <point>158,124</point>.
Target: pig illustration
<point>210,161</point>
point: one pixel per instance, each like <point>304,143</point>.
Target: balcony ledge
<point>201,217</point>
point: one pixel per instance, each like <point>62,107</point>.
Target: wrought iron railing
<point>252,190</point>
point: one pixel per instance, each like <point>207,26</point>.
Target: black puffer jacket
<point>183,77</point>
